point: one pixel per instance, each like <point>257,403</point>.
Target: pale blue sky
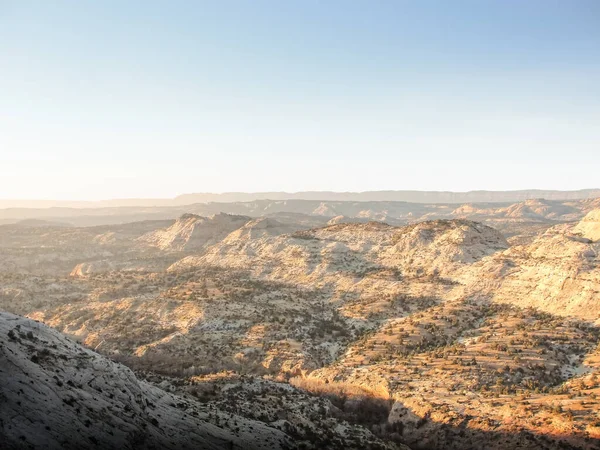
<point>107,99</point>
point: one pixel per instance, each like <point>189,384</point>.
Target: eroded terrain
<point>476,326</point>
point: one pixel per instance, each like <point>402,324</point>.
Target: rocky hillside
<point>589,227</point>
<point>559,272</point>
<point>426,248</point>
<point>57,395</point>
<point>192,232</point>
<point>56,250</point>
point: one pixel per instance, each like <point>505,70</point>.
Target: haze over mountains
<point>394,212</point>
<point>368,196</point>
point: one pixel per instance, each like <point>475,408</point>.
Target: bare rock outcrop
<point>352,249</point>
<point>559,272</point>
<point>589,227</point>
<point>56,394</point>
<point>192,232</point>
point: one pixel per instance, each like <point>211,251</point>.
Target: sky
<point>121,99</point>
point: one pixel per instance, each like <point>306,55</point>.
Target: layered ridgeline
<point>427,248</point>
<point>369,196</point>
<point>557,272</point>
<point>538,209</point>
<point>352,277</point>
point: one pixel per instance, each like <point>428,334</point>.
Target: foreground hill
<point>56,394</point>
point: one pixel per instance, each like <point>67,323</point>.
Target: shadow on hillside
<point>372,410</point>
<point>440,436</point>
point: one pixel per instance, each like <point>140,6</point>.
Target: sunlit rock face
<point>192,232</point>
<point>589,227</point>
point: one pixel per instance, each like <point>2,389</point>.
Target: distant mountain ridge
<point>412,196</point>
<point>312,212</point>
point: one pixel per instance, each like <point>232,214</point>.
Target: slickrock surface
<point>54,394</point>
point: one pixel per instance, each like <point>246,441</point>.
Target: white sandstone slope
<point>442,246</point>
<point>344,219</point>
<point>192,232</point>
<point>540,209</point>
<point>436,247</point>
<point>589,227</point>
<point>537,210</point>
<point>55,394</point>
<point>259,228</point>
<point>559,272</point>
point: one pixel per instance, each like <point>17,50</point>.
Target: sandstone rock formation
<point>589,227</point>
<point>192,232</point>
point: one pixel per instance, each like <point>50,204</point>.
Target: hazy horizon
<point>390,196</point>
<point>290,193</point>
